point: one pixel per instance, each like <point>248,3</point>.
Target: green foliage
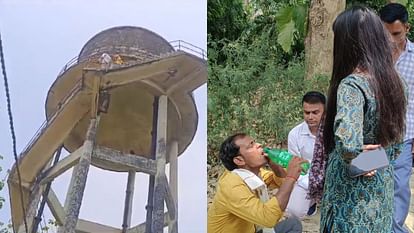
<point>256,82</point>
<point>255,92</point>
<point>291,21</point>
<point>256,74</point>
<point>50,226</point>
<point>410,9</point>
<point>2,200</point>
<point>283,20</point>
<point>226,19</point>
<point>374,4</point>
<point>377,4</point>
<point>286,28</point>
<point>4,228</point>
<point>282,23</point>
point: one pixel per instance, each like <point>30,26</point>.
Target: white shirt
<point>105,59</point>
<point>301,141</point>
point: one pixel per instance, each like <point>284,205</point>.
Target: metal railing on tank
<point>181,45</point>
<point>78,87</point>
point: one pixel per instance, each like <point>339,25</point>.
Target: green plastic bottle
<point>283,157</point>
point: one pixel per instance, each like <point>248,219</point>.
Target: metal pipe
<point>129,196</point>
<point>149,207</point>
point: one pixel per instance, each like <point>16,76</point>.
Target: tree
<point>226,19</point>
<point>2,200</point>
<point>319,40</point>
<point>4,228</point>
<point>49,226</point>
<point>291,21</point>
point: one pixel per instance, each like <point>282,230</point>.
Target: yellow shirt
<point>236,209</point>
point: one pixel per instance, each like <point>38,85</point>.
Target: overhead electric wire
<point>13,135</point>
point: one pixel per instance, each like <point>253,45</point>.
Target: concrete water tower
<point>124,104</point>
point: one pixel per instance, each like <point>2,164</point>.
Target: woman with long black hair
<point>366,105</point>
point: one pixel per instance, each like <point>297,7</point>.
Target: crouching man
<point>242,203</point>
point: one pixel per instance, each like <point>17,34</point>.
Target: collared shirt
<point>405,67</point>
<point>301,141</point>
<point>236,209</point>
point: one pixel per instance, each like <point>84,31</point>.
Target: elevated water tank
<point>153,68</point>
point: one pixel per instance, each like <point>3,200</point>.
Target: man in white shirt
<point>106,61</point>
<point>301,140</point>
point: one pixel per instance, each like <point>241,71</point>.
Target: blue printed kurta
<point>361,204</point>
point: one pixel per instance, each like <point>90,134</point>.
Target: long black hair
<point>361,41</point>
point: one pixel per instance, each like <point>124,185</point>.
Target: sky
<point>40,37</point>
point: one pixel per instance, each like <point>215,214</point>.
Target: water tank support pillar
<point>173,155</point>
<point>31,208</point>
<point>31,211</point>
<point>45,193</point>
<point>35,197</point>
<point>150,200</point>
<point>160,157</point>
<point>129,196</point>
<point>78,182</point>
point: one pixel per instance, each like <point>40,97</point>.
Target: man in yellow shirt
<point>241,203</point>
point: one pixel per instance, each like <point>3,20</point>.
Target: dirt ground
<point>311,224</point>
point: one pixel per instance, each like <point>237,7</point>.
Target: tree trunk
<point>319,39</point>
